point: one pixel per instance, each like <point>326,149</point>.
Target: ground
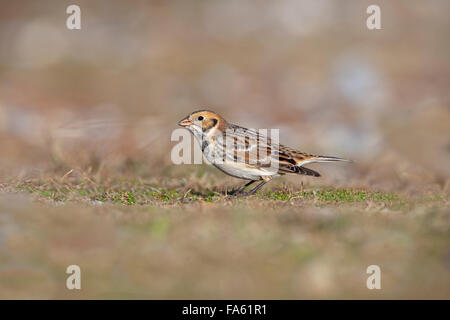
<point>144,239</point>
<point>87,146</point>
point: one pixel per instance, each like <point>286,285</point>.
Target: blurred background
<point>80,108</point>
<point>105,99</point>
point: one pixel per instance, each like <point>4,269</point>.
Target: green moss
<point>130,198</point>
<point>46,194</point>
<point>132,192</point>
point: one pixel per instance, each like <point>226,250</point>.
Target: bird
<point>247,153</point>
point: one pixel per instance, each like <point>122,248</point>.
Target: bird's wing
<point>255,149</point>
<point>236,147</point>
<point>242,145</point>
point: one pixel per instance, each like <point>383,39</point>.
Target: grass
<point>138,239</point>
<point>132,193</point>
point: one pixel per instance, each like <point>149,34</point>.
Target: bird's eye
<point>200,118</point>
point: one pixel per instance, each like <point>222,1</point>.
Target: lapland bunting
<point>246,153</point>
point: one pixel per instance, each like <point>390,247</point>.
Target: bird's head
<point>202,121</point>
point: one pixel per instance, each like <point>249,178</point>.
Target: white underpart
<point>229,166</point>
<point>243,171</point>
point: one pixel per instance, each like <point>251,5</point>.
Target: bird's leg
<point>265,180</point>
<point>255,188</point>
<point>239,190</point>
<point>246,185</point>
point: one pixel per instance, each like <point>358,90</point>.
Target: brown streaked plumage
<point>245,153</point>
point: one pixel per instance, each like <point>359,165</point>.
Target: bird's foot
<point>233,192</point>
<point>232,195</point>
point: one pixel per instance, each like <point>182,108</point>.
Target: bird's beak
<point>185,122</point>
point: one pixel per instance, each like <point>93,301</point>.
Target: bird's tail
<point>312,159</point>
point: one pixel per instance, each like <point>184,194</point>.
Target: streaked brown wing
<point>254,149</point>
<point>244,149</point>
<point>288,162</point>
